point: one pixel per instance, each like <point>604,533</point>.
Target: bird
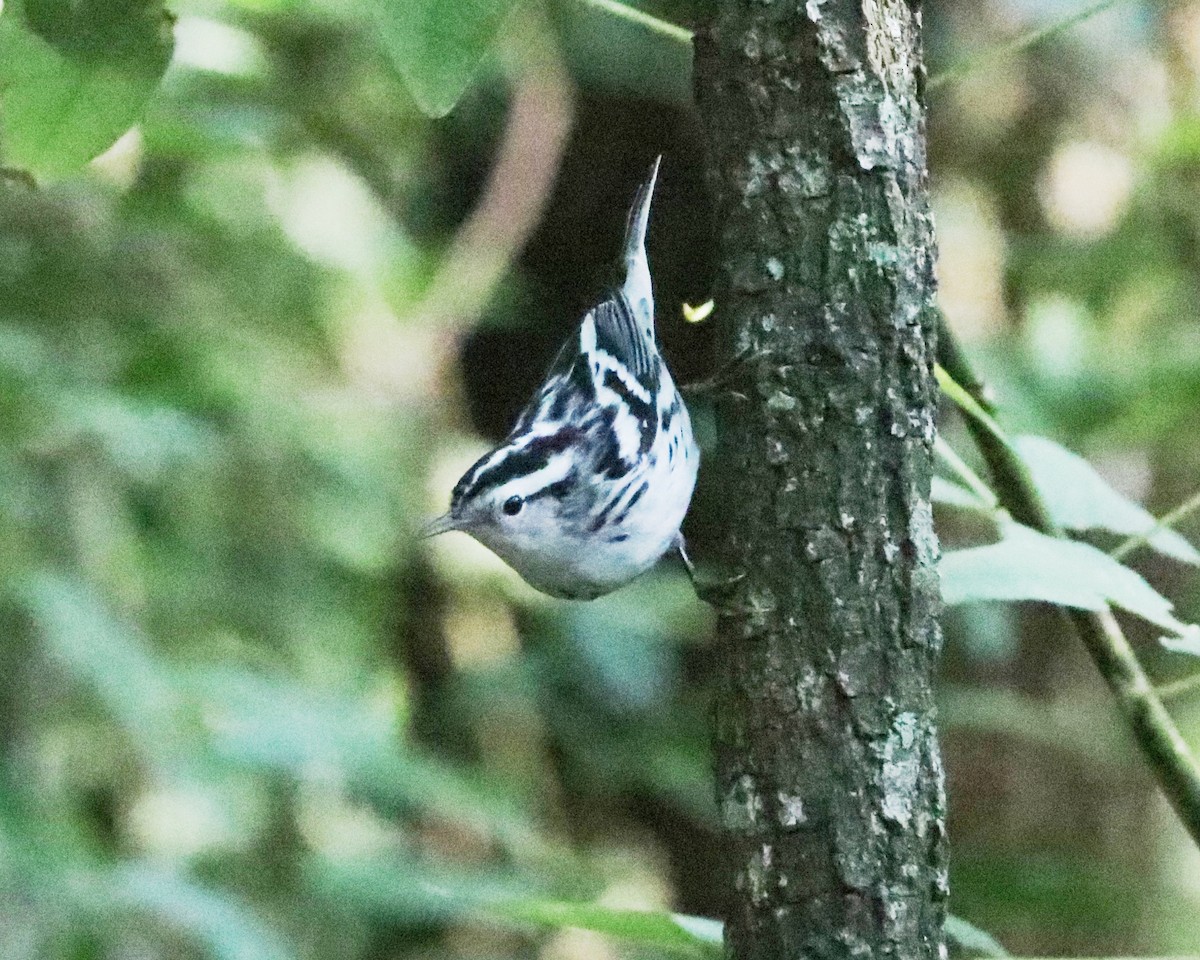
<point>590,487</point>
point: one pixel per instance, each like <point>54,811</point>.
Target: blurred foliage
<point>438,51</point>
<point>75,76</point>
<point>242,715</point>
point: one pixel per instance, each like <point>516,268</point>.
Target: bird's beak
<point>443,524</point>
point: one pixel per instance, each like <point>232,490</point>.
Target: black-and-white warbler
<point>590,488</point>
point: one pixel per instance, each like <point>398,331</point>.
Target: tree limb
<point>1170,758</point>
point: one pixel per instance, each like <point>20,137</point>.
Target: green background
<point>245,714</point>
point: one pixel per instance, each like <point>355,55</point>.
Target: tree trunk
<point>828,769</point>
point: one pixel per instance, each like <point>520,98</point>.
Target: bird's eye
<point>512,506</point>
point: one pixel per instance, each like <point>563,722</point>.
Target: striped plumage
<point>590,488</point>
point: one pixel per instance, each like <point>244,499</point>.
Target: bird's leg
<point>729,373</point>
<point>716,593</point>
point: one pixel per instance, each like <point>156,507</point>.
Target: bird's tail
<point>638,289</point>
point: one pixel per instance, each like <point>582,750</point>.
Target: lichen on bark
<point>828,766</point>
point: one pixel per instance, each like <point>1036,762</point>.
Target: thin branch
<point>1026,40</point>
<point>965,473</point>
<point>950,357</point>
<point>968,403</point>
<point>669,30</point>
<point>951,74</point>
<point>1008,469</point>
<point>1165,522</point>
<point>1154,730</point>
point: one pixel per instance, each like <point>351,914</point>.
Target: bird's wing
<point>619,335</point>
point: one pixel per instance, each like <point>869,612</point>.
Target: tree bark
<point>828,769</point>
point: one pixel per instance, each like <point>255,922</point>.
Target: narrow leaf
<point>973,940</point>
<point>975,487</point>
<point>1078,498</point>
<point>653,929</point>
<point>1027,565</point>
<point>1166,522</point>
<point>680,35</point>
<point>1188,643</point>
<point>271,723</point>
<point>402,886</point>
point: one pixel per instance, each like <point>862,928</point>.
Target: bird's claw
<point>729,373</point>
<point>717,593</point>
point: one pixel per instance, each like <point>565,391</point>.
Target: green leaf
<point>1078,498</point>
<point>404,885</point>
<point>1025,41</point>
<point>664,930</point>
<point>437,46</point>
<point>971,939</point>
<point>674,931</point>
<point>967,490</point>
<point>1188,643</point>
<point>407,887</point>
<point>74,76</point>
<point>1027,565</point>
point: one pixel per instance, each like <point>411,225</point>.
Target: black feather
<point>618,334</point>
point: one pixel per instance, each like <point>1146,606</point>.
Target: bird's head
<point>515,497</point>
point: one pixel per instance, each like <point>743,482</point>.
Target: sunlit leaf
<point>438,46</point>
<point>1027,565</point>
<point>1079,498</point>
<point>269,721</point>
<point>142,440</point>
<point>74,76</point>
<point>1187,643</point>
<point>47,862</point>
<point>403,887</point>
<point>972,940</point>
<point>1030,38</point>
